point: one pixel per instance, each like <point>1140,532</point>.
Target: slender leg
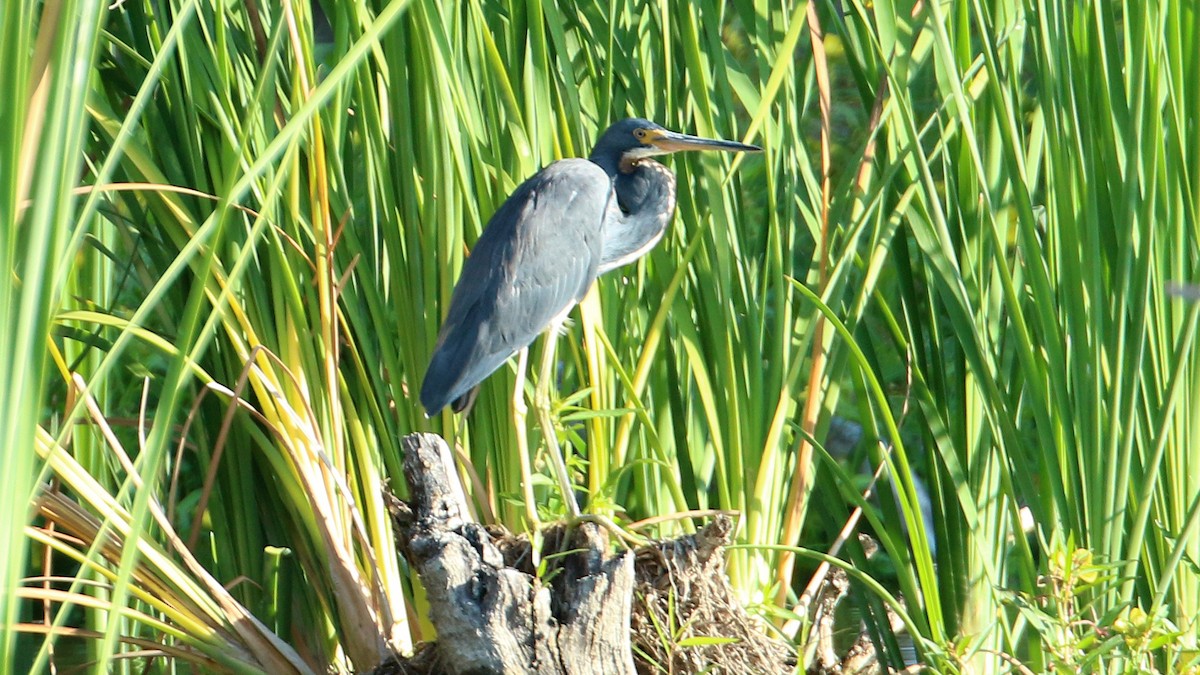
<point>541,404</point>
<point>519,413</point>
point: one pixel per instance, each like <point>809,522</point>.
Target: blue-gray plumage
<point>541,251</point>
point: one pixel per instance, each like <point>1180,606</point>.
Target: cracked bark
<point>491,614</point>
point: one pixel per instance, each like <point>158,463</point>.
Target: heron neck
<point>611,166</point>
<point>646,192</point>
<point>647,199</point>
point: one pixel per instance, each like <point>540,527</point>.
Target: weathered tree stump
<point>495,614</point>
<point>492,616</point>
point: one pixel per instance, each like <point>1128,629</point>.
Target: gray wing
<point>535,260</point>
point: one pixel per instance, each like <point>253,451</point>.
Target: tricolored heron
<point>539,254</point>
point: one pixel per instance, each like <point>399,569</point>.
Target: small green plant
<point>1075,638</point>
<point>1144,635</point>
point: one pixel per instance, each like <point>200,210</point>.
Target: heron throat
<point>646,197</point>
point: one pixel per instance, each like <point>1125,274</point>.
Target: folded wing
<point>535,260</point>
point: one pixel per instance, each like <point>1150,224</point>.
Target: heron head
<point>630,140</point>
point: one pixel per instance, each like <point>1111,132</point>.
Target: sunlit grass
<point>247,289</point>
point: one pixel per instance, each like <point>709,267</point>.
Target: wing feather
<point>535,260</point>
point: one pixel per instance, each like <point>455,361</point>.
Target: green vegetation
<point>225,248</point>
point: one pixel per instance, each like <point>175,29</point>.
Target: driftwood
<point>493,617</point>
<point>586,610</point>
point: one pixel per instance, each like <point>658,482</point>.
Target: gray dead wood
<point>494,618</point>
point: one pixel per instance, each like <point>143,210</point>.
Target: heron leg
<point>541,404</point>
<point>519,413</point>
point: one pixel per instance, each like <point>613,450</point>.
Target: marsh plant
<point>229,232</point>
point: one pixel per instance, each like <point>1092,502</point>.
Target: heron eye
<point>640,133</point>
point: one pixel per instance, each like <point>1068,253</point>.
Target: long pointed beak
<point>671,141</point>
